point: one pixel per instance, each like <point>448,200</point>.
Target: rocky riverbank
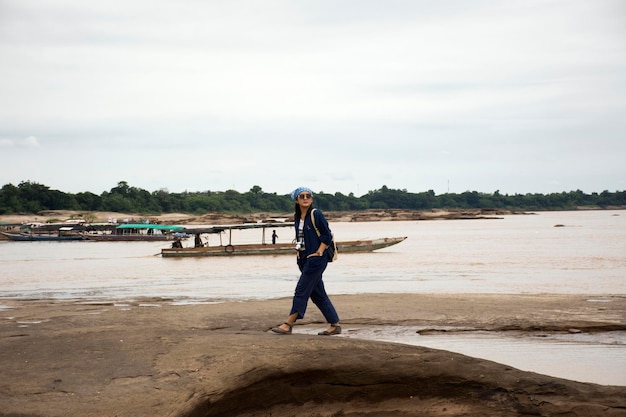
<point>159,358</point>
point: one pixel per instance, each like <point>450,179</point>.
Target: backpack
<point>332,248</point>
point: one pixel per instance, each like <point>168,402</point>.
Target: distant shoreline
<point>213,218</point>
<point>237,218</point>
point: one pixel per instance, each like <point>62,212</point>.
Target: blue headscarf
<point>295,193</point>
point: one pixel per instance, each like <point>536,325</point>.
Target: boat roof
<point>150,226</point>
<point>205,229</point>
<point>222,228</point>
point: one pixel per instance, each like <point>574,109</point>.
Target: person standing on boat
<point>274,237</point>
<point>312,261</point>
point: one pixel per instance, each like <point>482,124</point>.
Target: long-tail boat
<point>264,247</point>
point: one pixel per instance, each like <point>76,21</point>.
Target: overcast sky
<point>342,96</point>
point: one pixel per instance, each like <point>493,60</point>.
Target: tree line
<point>31,197</point>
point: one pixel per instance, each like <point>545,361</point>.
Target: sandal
<point>278,330</point>
<point>336,330</point>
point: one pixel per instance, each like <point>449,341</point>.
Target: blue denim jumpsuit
<point>310,284</point>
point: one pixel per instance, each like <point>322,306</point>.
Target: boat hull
<point>277,249</point>
<point>41,238</point>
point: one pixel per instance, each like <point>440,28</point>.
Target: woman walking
<point>312,245</point>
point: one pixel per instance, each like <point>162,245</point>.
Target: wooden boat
<point>277,249</point>
<point>32,237</point>
<point>14,228</point>
<point>54,232</point>
<point>264,248</point>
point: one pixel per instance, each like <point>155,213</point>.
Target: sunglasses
<point>304,196</point>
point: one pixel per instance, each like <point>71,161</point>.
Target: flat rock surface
<point>157,358</point>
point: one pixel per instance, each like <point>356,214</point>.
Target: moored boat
<point>32,237</point>
<point>353,246</point>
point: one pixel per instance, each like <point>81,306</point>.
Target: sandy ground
<point>155,358</point>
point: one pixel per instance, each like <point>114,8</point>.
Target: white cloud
<point>29,142</point>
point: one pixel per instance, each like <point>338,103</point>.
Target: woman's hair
<point>298,212</point>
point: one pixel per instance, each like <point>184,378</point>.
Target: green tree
<point>10,201</point>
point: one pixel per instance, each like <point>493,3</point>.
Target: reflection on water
<point>522,254</point>
<point>597,358</point>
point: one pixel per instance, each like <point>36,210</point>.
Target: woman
<point>312,261</point>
